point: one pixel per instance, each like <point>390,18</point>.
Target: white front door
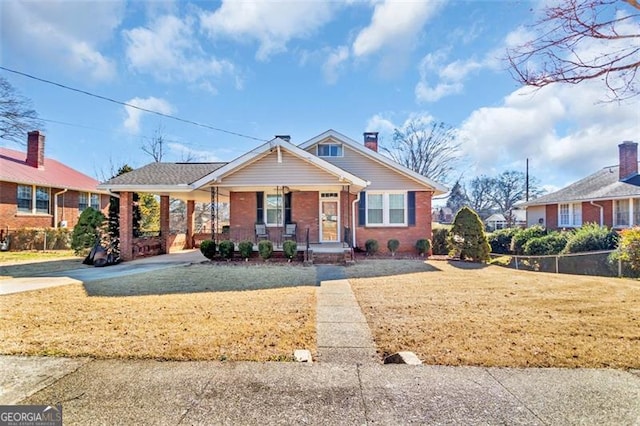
<point>329,221</point>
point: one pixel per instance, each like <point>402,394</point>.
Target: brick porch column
<point>126,225</point>
<point>164,223</point>
<point>191,208</point>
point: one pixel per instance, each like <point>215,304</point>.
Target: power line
<point>104,98</point>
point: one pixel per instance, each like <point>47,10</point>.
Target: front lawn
<point>456,313</point>
<point>200,312</point>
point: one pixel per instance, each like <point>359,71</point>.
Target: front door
<point>330,221</point>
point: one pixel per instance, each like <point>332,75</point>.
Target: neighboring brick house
<point>609,197</point>
<point>336,190</point>
<point>39,192</point>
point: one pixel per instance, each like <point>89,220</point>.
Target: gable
<point>274,169</point>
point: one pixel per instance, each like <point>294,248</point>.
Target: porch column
<point>164,223</point>
<point>126,226</point>
<point>191,208</point>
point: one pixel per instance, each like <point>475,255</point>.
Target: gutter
<point>601,211</point>
<point>55,207</point>
<point>353,220</point>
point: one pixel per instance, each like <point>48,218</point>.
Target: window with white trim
<point>42,200</point>
<point>386,209</point>
<point>621,213</point>
<point>329,150</point>
<point>95,201</point>
<point>273,210</point>
<point>87,199</point>
<point>636,212</point>
<point>25,198</point>
<point>570,214</point>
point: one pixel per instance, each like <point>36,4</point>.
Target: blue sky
<point>262,68</point>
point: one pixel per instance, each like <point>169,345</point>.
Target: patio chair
<point>290,232</point>
<point>261,232</point>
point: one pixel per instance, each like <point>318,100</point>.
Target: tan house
<point>328,191</point>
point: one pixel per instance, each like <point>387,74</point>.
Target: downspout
<point>353,221</point>
<point>55,207</point>
<point>601,212</point>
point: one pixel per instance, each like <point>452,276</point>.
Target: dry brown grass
<point>463,314</point>
<point>182,313</point>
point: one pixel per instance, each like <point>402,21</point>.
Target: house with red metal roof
<point>40,192</point>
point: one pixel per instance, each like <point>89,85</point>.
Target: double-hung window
<point>386,209</point>
<point>25,198</point>
<point>83,201</point>
<point>95,201</point>
<point>273,209</point>
<point>570,214</point>
<point>329,150</point>
<point>42,200</point>
<point>29,196</point>
<point>621,213</point>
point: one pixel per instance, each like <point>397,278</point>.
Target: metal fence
<point>598,263</point>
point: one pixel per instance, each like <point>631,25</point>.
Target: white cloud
<point>271,24</point>
<point>384,123</point>
<point>564,130</point>
<point>184,152</point>
<point>168,49</point>
<point>65,34</point>
<point>394,23</point>
<point>334,62</point>
<point>134,115</point>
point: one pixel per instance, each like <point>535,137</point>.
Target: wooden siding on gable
<point>268,171</point>
<point>382,178</point>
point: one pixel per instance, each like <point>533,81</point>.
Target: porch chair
<point>261,232</point>
<point>290,232</point>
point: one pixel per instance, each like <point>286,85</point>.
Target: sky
<point>255,69</point>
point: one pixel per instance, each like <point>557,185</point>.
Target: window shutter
<point>411,208</point>
<point>362,209</point>
<point>287,207</point>
<point>260,207</point>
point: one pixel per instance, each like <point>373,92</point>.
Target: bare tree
<point>154,145</point>
<point>480,196</point>
<point>17,116</point>
<point>430,149</point>
<point>566,38</point>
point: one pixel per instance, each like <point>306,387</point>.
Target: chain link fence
<point>596,263</point>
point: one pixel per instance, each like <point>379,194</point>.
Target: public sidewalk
<point>127,392</point>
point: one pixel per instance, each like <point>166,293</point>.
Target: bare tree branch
<point>431,150</point>
<point>17,117</point>
<point>582,40</point>
<point>153,146</point>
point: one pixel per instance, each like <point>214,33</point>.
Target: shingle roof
<point>165,174</point>
<point>602,185</point>
<point>14,168</point>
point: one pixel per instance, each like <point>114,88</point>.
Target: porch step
<point>335,258</point>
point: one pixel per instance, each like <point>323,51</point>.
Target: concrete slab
<point>568,396</point>
<point>22,376</point>
<point>336,286</point>
<point>333,299</point>
<point>404,394</point>
<point>339,314</point>
<point>344,335</point>
<point>19,285</point>
<point>352,356</point>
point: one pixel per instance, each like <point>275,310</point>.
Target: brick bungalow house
<point>609,197</point>
<point>336,191</point>
<point>39,192</point>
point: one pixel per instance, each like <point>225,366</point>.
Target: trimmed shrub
<point>591,237</point>
<point>500,240</point>
<point>467,238</point>
<point>630,247</point>
<point>290,249</point>
<point>521,237</point>
<point>393,245</point>
<point>423,245</point>
<point>439,241</point>
<point>371,247</point>
<point>208,248</point>
<point>226,248</point>
<point>265,248</point>
<point>245,248</point>
<point>86,233</point>
<point>549,244</point>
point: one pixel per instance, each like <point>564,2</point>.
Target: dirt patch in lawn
<point>204,313</point>
<point>465,314</point>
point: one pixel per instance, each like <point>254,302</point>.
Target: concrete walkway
<point>343,334</point>
<point>245,393</point>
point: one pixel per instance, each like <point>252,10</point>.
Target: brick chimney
<point>628,159</point>
<point>35,149</point>
<point>371,140</point>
